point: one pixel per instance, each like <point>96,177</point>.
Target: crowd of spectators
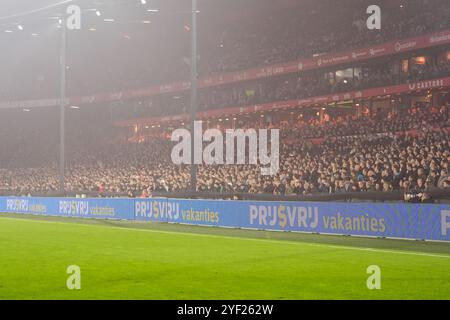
<point>408,151</point>
<point>415,118</point>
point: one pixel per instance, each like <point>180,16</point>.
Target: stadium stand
<point>409,150</point>
<point>384,142</point>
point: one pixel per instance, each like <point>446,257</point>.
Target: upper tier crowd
<point>319,31</point>
<point>314,84</point>
<point>279,36</point>
<point>283,88</point>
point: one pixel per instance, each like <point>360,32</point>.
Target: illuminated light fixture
<point>146,21</point>
<point>152,10</point>
<point>20,27</point>
<point>74,107</point>
<point>127,37</point>
<point>34,34</point>
<point>8,31</point>
<point>92,29</point>
<point>108,20</point>
<point>143,1</point>
<point>26,110</point>
<point>98,13</point>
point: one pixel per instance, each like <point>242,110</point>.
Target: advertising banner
<point>121,209</point>
<point>396,220</point>
<point>390,220</point>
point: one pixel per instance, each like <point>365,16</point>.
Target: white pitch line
<point>237,237</point>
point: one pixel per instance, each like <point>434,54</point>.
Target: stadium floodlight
<point>98,13</point>
<point>62,105</point>
<point>20,27</point>
<point>194,92</point>
<point>143,1</point>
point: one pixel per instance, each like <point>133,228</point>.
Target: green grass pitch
<point>130,260</point>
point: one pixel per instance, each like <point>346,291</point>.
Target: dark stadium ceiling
<point>21,19</point>
<point>34,15</point>
<point>217,11</point>
<point>230,7</point>
<point>28,27</point>
<point>33,38</point>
